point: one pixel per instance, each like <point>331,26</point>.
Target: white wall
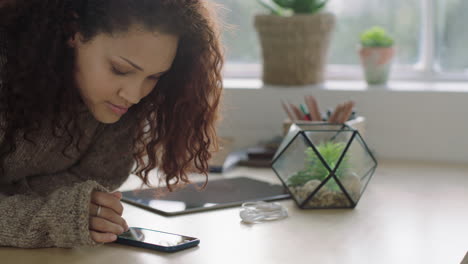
<point>404,121</point>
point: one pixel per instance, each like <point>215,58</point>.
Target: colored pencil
<point>288,112</point>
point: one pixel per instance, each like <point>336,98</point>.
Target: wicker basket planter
<point>294,48</point>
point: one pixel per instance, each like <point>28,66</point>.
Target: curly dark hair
<point>176,122</point>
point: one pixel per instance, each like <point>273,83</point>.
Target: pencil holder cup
<point>358,123</point>
<point>324,165</point>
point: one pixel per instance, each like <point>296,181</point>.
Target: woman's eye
<point>117,71</point>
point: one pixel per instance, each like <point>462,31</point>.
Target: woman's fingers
<point>103,237</point>
<point>108,214</point>
<point>105,226</point>
<point>117,194</point>
<point>108,200</point>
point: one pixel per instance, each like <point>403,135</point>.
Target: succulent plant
<point>290,7</point>
<point>376,37</point>
<point>314,169</point>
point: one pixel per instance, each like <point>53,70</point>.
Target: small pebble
<point>326,198</point>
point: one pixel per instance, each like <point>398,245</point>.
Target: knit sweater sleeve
<point>54,209</point>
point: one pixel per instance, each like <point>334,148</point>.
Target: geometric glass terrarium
<point>324,165</point>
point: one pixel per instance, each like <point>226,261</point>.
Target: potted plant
<point>295,39</point>
<point>376,53</point>
<point>324,165</point>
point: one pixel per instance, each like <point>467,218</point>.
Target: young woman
<point>91,91</point>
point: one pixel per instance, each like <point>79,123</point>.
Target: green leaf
<point>285,3</point>
<point>289,7</point>
<point>275,8</point>
<point>308,6</point>
<point>314,168</point>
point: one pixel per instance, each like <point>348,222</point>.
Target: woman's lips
<point>117,109</point>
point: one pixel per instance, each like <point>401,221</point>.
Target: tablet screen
<point>217,194</point>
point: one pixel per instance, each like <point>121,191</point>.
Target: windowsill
<point>353,85</point>
<point>403,118</point>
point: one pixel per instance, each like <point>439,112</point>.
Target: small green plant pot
<point>324,165</point>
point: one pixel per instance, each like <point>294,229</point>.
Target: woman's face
<point>115,72</point>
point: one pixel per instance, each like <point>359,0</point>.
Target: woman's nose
<point>131,95</point>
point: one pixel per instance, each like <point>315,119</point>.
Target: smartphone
<point>157,240</point>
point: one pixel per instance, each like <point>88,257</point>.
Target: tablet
<point>217,194</point>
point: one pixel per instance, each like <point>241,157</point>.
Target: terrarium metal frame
<point>332,172</point>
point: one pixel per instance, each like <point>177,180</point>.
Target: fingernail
<point>116,193</point>
<point>113,237</point>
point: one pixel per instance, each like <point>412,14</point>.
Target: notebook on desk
<point>217,194</point>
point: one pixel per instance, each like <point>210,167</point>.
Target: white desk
<point>410,213</point>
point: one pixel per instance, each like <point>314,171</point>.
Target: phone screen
<point>156,237</point>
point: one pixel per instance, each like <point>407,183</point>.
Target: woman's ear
<point>74,39</point>
<point>72,26</point>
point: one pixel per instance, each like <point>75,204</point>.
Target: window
<point>452,41</point>
<point>401,18</point>
<point>239,37</point>
<point>428,34</point>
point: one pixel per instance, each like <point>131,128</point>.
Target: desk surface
<point>410,213</point>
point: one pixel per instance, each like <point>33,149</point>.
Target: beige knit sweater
<point>45,196</point>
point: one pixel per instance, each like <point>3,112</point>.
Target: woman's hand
<point>105,227</point>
